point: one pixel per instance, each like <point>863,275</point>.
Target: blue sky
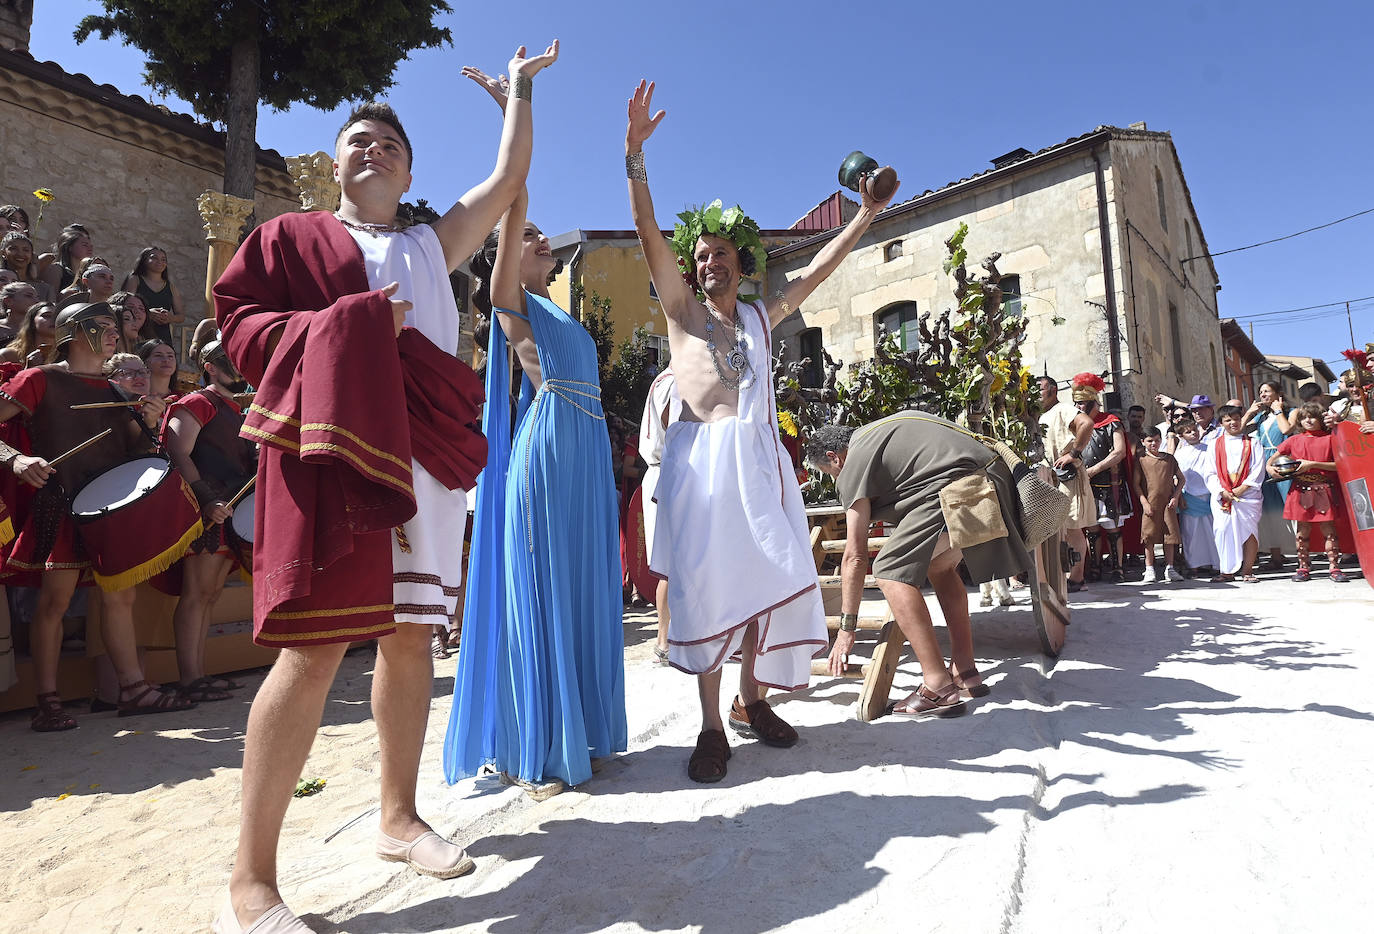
<point>1267,103</point>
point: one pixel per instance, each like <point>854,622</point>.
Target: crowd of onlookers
<point>1224,491</point>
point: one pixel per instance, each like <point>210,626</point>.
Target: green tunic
<point>900,464</point>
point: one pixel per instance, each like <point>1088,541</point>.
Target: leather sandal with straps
<point>51,717</point>
<point>166,702</point>
<point>969,690</point>
<point>707,764</point>
<point>759,720</point>
<point>943,703</point>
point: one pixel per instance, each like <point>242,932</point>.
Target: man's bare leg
<point>748,687</point>
<point>281,728</point>
<point>661,605</point>
<point>45,632</point>
<point>203,580</point>
<point>909,609</point>
<point>708,690</point>
<point>401,694</point>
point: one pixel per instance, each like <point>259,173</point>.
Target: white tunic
<point>1232,529</point>
<point>427,551</point>
<point>731,536</point>
<point>662,401</point>
<point>1199,544</point>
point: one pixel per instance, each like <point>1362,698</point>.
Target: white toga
<point>427,551</point>
<point>1232,528</point>
<point>731,535</point>
<point>662,406</point>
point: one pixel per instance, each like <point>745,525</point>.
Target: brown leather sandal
<point>759,720</point>
<point>707,764</point>
<point>166,702</point>
<point>51,717</point>
<point>944,703</point>
<point>978,690</point>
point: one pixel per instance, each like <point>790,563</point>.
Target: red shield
<point>1354,452</point>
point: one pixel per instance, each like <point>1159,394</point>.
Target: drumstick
<point>80,447</point>
<point>107,405</point>
<point>242,493</point>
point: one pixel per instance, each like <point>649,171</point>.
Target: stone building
<point>1316,371</point>
<point>1099,231</point>
<point>129,170</point>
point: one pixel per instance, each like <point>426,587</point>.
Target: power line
<point>1277,239</point>
<point>1288,311</point>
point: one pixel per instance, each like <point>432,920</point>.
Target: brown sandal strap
<point>708,759</point>
<point>770,728</point>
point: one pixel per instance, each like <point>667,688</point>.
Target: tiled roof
<point>109,96</point>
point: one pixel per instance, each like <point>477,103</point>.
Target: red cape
<point>334,475</point>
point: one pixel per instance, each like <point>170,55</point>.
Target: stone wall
<point>16,19</point>
<point>132,182</point>
<point>1044,221</point>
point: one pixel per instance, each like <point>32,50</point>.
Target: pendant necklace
<point>736,359</point>
<point>375,230</point>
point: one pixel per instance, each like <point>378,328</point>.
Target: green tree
<point>225,56</point>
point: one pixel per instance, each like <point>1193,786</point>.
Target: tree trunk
<point>241,121</point>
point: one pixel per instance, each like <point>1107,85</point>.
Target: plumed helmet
<point>1086,386</point>
<point>213,351</point>
<point>80,319</point>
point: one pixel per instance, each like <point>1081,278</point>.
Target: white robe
<point>1199,544</point>
<point>427,551</point>
<point>1233,529</point>
<point>731,536</point>
<point>662,405</point>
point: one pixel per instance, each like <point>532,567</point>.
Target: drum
<point>135,520</point>
<point>242,519</point>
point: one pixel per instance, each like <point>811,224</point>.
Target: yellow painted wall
<point>616,271</point>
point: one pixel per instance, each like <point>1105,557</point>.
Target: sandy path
<point>1199,756</point>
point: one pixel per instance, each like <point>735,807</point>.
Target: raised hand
<point>529,67</point>
<point>498,87</point>
<point>641,126</point>
<point>869,201</point>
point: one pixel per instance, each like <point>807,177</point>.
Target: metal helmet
<point>80,319</point>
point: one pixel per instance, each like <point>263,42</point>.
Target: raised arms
<point>673,293</point>
<point>787,299</point>
<point>465,225</point>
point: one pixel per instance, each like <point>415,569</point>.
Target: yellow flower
<point>1025,379</point>
<point>63,797</point>
<point>44,194</point>
<point>787,423</point>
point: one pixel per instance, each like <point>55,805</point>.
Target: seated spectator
<point>149,279</point>
<point>16,255</point>
<point>7,276</point>
<point>73,245</point>
<point>129,373</point>
<point>94,282</point>
<point>134,328</point>
<point>34,342</point>
<point>15,301</point>
<point>13,217</point>
<point>162,367</point>
<point>1314,495</point>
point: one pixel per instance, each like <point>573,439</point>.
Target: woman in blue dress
<point>1272,425</point>
<point>540,687</point>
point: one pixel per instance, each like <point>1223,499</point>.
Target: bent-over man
<point>951,499</point>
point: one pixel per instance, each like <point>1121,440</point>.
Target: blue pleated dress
<point>540,688</point>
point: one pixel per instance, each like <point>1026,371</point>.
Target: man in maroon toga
<point>340,470</point>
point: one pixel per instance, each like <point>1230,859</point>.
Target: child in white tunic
<point>1237,500</point>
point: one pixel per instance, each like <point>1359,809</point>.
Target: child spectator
<point>1234,481</point>
<point>35,339</point>
<point>1157,483</point>
<point>73,245</point>
<point>16,255</point>
<point>1313,496</point>
<point>162,367</point>
<point>1195,516</point>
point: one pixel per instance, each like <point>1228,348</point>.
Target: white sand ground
<point>1199,758</point>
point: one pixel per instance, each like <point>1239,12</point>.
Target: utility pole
<point>1350,325</point>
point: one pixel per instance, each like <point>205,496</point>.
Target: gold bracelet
<point>522,87</point>
<point>849,622</point>
<point>634,167</point>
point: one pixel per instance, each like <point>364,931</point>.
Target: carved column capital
<point>223,215</point>
<point>314,176</point>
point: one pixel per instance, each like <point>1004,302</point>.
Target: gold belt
<point>565,389</point>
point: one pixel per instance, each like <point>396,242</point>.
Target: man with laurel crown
<point>731,534</point>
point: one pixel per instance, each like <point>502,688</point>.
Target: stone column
<point>314,176</point>
<point>224,216</point>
